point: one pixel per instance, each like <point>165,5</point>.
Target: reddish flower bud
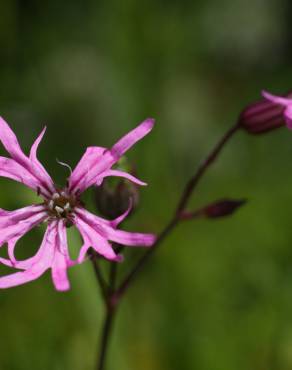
<point>262,116</point>
<point>222,208</point>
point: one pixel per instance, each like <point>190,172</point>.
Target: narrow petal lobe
<point>37,266</point>
<point>96,162</point>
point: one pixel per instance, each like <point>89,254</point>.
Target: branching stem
<point>113,295</point>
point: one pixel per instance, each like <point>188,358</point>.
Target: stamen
<point>61,205</point>
<point>59,209</point>
<point>67,206</point>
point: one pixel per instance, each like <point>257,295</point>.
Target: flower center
<point>61,205</point>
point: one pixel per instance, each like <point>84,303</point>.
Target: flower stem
<point>105,335</point>
<point>113,270</point>
<point>113,295</point>
<point>141,262</point>
<point>189,189</point>
<point>102,283</point>
<point>205,164</point>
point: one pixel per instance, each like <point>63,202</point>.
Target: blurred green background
<point>218,295</point>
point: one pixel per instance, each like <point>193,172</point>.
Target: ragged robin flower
<point>285,103</point>
<point>62,208</point>
<point>265,114</point>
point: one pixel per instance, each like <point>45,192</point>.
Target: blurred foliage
<point>218,295</point>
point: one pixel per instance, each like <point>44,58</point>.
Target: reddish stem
<point>190,187</point>
<point>112,296</point>
<point>105,335</point>
<point>193,182</point>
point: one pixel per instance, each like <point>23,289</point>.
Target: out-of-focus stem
<point>141,262</point>
<point>105,336</point>
<point>193,182</point>
<point>111,295</point>
<point>190,187</point>
<point>101,282</point>
<point>113,272</point>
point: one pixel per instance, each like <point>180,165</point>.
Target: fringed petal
<point>61,259</point>
<point>10,142</point>
<point>90,158</point>
<point>96,161</point>
<point>276,99</point>
<point>127,141</point>
<point>93,239</point>
<point>37,265</point>
<point>22,168</point>
<point>108,232</point>
<point>288,116</point>
<point>119,174</point>
<point>13,170</point>
<point>8,218</point>
<point>37,166</point>
<point>285,102</point>
<point>17,223</point>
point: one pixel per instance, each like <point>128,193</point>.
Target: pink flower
<point>284,102</point>
<point>62,208</point>
<point>262,116</point>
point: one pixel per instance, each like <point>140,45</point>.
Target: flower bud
<point>220,208</point>
<point>223,207</point>
<point>262,116</point>
<point>115,195</point>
